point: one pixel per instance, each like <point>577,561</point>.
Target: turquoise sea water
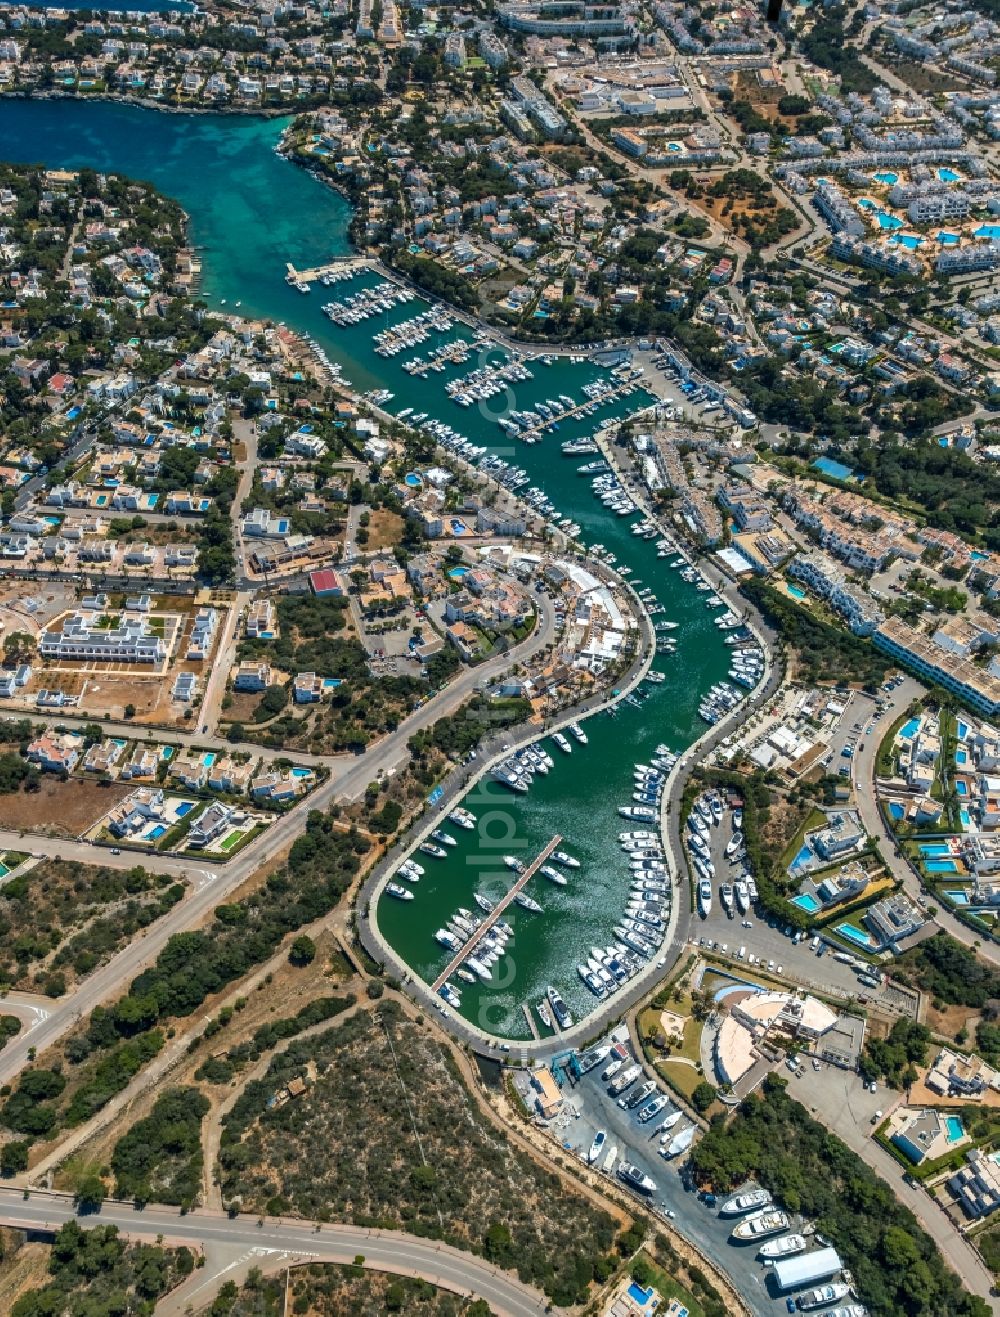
<point>250,213</point>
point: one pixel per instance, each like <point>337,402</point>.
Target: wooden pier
<point>530,1019</point>
<point>469,948</point>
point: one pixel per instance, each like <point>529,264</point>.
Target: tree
<point>302,951</point>
<point>90,1192</point>
<point>703,1097</point>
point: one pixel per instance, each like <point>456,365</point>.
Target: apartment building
<point>81,637</point>
<point>974,686</point>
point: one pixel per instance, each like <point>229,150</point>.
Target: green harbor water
<point>250,213</point>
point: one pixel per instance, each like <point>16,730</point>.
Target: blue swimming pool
<point>965,818</point>
<point>301,772</point>
<point>458,526</point>
<point>947,239</point>
<point>855,935</point>
<point>185,807</point>
<point>961,756</point>
<point>73,413</point>
<point>796,591</point>
<point>638,1295</point>
<point>412,480</point>
<point>938,848</point>
<point>896,810</point>
<point>835,469</point>
<point>457,573</point>
<point>961,789</point>
<point>886,176</point>
<point>991,231</point>
<point>957,896</point>
<point>956,1130</point>
<point>154,834</point>
<point>909,729</point>
<point>908,240</point>
<point>941,866</point>
<point>962,729</point>
<point>208,759</point>
<point>167,752</point>
<point>806,901</point>
<point>803,858</point>
<point>948,176</point>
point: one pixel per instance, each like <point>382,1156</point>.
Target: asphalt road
<point>840,1101</point>
<point>347,781</point>
<point>696,1222</point>
<point>382,1250</point>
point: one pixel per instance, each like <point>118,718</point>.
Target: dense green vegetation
<point>95,1273</point>
<point>373,1141</point>
<point>895,1058</point>
<point>825,45</point>
<point>330,1290</point>
<point>16,773</point>
<point>462,731</point>
<point>10,1027</point>
<point>896,1266</point>
<point>954,492</point>
<point>434,278</point>
<point>949,972</point>
<point>825,652</point>
<point>159,1159</point>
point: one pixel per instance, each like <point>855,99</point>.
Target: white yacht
<point>705,898</point>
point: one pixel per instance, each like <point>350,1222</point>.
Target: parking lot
<point>766,945</point>
<point>590,1108</point>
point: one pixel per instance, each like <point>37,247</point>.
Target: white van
<point>814,943</point>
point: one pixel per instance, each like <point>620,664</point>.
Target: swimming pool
<point>457,573</point>
<point>962,729</point>
<point>301,772</point>
<point>908,240</point>
<point>896,810</point>
<point>155,833</point>
<point>4,871</point>
<point>886,176</point>
<point>965,818</point>
<point>961,756</point>
<point>957,896</point>
<point>855,935</point>
<point>941,866</point>
<point>961,789</point>
<point>412,480</point>
<point>804,856</point>
<point>991,231</point>
<point>938,848</point>
<point>795,591</point>
<point>947,239</point>
<point>806,901</point>
<point>956,1130</point>
<point>909,729</point>
<point>167,752</point>
<point>831,468</point>
<point>208,759</point>
<point>458,526</point>
<point>948,176</point>
<point>185,807</point>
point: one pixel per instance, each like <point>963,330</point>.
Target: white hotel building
<point>131,641</point>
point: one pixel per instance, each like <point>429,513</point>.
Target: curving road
<point>382,1250</point>
<point>348,779</point>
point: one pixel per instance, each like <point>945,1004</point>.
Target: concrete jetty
<point>469,949</point>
